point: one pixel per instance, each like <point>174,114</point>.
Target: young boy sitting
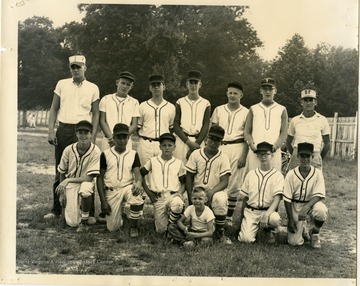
<point>120,181</point>
<point>201,222</point>
<point>78,167</point>
<point>166,184</point>
<point>262,188</point>
<point>304,191</point>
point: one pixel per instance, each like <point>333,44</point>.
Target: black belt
<point>67,124</point>
<point>149,139</point>
<point>298,201</point>
<point>190,135</point>
<point>256,209</point>
<point>240,140</point>
<point>159,194</point>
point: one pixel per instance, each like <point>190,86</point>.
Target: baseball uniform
<point>118,181</point>
<point>260,187</point>
<point>165,180</point>
<point>154,120</point>
<point>74,165</point>
<point>299,190</point>
<point>190,117</point>
<point>118,110</point>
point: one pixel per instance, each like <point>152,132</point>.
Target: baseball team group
<point>194,166</point>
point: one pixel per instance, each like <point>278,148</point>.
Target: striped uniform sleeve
<point>288,188</point>
<point>172,116</point>
<point>319,186</point>
<point>279,184</point>
<point>63,166</point>
<point>191,163</point>
<point>182,173</point>
<point>215,116</point>
<point>245,186</point>
<point>94,162</point>
<point>225,165</point>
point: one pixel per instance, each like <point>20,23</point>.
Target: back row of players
<point>223,155</point>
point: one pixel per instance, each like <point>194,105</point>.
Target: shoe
<point>225,240</point>
<point>315,241</point>
<point>91,220</point>
<point>271,238</point>
<point>134,232</point>
<point>306,236</point>
<point>83,227</point>
<point>229,221</point>
<point>50,216</point>
<point>189,244</point>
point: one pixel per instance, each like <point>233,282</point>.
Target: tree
<point>40,63</point>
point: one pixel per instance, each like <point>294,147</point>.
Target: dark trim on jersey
<point>80,161</point>
<point>192,104</point>
<point>304,181</point>
<point>163,164</point>
<point>231,123</point>
<point>267,120</point>
<point>118,102</point>
<point>265,178</point>
<point>160,109</point>
<point>210,162</point>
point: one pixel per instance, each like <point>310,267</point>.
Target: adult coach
<point>231,117</point>
<point>119,107</point>
<point>156,118</point>
<point>192,118</point>
<point>266,121</point>
<point>310,127</point>
<point>74,99</point>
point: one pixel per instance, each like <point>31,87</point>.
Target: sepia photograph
<point>167,143</point>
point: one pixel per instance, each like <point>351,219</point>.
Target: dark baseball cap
<point>264,147</point>
<point>235,84</point>
<point>121,128</point>
<point>84,125</point>
<point>305,148</point>
<point>156,78</point>
<point>194,75</point>
<point>167,136</point>
<point>127,75</point>
<point>268,81</point>
<point>216,131</point>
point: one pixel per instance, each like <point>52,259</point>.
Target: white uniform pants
<point>251,224</point>
<point>182,149</point>
<point>116,199</point>
<point>319,212</point>
<point>147,150</point>
<point>219,203</point>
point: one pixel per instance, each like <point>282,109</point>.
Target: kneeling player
<point>304,191</point>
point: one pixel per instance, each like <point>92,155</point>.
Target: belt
<point>240,140</point>
<point>111,188</point>
<point>149,139</point>
<point>66,124</point>
<point>256,209</point>
<point>298,201</point>
<point>159,194</point>
<point>191,135</point>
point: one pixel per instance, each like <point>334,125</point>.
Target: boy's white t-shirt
<point>199,223</point>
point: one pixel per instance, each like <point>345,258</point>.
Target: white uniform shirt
<point>192,114</point>
<point>266,122</point>
<point>155,119</point>
<point>119,168</point>
<point>75,100</point>
<point>199,223</point>
<point>309,130</point>
<point>164,175</point>
<point>262,186</point>
<point>74,166</point>
<point>233,122</point>
<point>118,109</point>
<point>300,189</point>
<point>207,171</point>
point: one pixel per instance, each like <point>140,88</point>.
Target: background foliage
<point>172,39</point>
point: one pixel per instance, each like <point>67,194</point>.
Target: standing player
<point>266,121</point>
<point>263,188</point>
<point>78,167</point>
<point>311,127</point>
<point>209,168</point>
<point>304,192</point>
<point>192,118</point>
<point>75,99</point>
<point>231,117</point>
<point>120,181</point>
<point>156,117</point>
<point>166,184</point>
<point>119,107</point>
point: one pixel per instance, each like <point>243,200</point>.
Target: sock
<point>220,223</point>
<point>317,225</point>
<point>135,211</point>
<point>231,206</point>
<point>174,217</point>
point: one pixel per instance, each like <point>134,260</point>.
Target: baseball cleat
<point>134,232</point>
<point>225,240</point>
<point>83,227</point>
<point>189,244</point>
<point>91,220</point>
<point>315,241</point>
<point>50,216</point>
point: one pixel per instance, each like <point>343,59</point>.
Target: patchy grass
<point>52,247</point>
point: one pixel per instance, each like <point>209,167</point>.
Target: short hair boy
<point>166,183</point>
<point>120,181</point>
<point>209,168</point>
<point>200,219</point>
<point>304,192</point>
<point>78,167</point>
<point>262,188</point>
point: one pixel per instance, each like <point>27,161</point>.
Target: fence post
<point>354,153</point>
<point>333,135</point>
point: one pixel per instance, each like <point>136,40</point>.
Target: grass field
<point>51,247</point>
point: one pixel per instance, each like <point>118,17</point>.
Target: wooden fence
<point>344,135</point>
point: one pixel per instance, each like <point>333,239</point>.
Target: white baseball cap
<point>308,93</point>
<point>77,60</point>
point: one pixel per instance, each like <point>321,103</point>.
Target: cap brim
<point>128,77</point>
<point>305,152</point>
<point>307,96</point>
<point>262,150</point>
<point>215,135</point>
<point>194,78</point>
<point>84,128</point>
<point>268,84</point>
<point>156,81</point>
<point>76,63</point>
<point>122,133</point>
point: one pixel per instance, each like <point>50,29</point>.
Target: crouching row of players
<point>121,178</point>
